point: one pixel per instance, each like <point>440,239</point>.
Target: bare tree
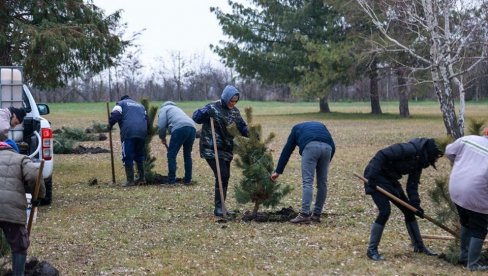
<point>446,37</point>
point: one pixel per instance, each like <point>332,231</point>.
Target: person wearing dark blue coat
<point>317,148</point>
<point>134,124</point>
<point>384,170</point>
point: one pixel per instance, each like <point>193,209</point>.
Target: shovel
<point>219,178</point>
<point>408,206</point>
<point>35,194</point>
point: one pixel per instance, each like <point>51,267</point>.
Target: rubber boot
<point>129,173</point>
<point>218,203</point>
<point>416,238</point>
<point>18,264</point>
<point>141,179</point>
<point>474,255</point>
<point>464,246</point>
<point>374,241</point>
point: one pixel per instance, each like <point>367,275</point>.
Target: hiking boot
<point>315,218</point>
<point>301,219</point>
<point>129,184</point>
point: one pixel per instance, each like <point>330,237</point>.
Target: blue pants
<point>133,150</point>
<point>185,137</point>
<point>315,158</point>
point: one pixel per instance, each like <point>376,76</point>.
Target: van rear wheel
<point>48,182</point>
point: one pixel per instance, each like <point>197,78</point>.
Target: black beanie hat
<point>124,97</point>
<point>19,113</point>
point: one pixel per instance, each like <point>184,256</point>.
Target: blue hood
<point>229,92</point>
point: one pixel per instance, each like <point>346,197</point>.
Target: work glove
<point>372,183</point>
<point>36,203</point>
<point>420,211</point>
<point>211,113</point>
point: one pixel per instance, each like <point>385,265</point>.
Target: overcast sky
<point>186,26</point>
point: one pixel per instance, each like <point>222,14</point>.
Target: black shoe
<point>315,218</point>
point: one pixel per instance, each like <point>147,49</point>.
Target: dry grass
<point>109,230</point>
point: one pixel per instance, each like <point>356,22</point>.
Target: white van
<point>34,136</point>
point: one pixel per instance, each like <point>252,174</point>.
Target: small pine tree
<point>149,161</point>
<point>256,161</point>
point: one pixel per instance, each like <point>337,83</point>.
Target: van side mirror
<point>43,109</point>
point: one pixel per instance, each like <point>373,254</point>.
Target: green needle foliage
<point>149,161</point>
<point>256,161</point>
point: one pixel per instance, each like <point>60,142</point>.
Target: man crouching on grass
<point>15,170</point>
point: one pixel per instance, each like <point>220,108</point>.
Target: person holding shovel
<point>134,124</point>
<point>468,189</point>
<point>384,170</point>
<point>317,148</point>
<point>174,120</point>
<point>18,174</point>
<point>224,113</point>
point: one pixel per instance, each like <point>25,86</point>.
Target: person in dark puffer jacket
<point>384,170</point>
<point>224,112</point>
<point>18,175</point>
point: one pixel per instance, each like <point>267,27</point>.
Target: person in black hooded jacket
<point>384,170</point>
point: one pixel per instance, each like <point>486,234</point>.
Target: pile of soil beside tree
<point>34,267</point>
<point>283,215</point>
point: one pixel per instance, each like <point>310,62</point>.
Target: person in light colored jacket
<point>468,189</point>
<point>174,120</point>
<point>9,118</point>
<point>15,170</point>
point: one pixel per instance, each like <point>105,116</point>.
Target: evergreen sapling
<point>256,161</point>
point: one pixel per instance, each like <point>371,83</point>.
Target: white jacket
<point>468,183</point>
<point>5,116</point>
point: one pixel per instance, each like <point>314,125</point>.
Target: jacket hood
<point>430,149</point>
<point>229,92</point>
<point>168,103</point>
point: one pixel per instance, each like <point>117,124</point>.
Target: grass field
<point>108,230</point>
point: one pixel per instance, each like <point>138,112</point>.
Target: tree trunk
<point>403,92</point>
<point>324,105</point>
<point>373,89</point>
<point>255,210</point>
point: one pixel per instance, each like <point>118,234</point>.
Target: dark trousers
<point>17,237</point>
<point>133,150</point>
<point>384,206</point>
<point>225,175</point>
<point>185,137</point>
<point>477,223</point>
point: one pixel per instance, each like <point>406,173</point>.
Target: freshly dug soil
<point>34,267</point>
<point>88,150</point>
<point>283,215</point>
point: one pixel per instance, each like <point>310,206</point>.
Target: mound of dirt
<point>283,215</point>
<point>34,267</point>
<point>85,150</point>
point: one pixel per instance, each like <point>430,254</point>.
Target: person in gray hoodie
<point>173,120</point>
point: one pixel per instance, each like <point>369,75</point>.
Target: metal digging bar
<point>219,178</point>
<point>111,148</point>
<point>410,207</point>
<point>35,194</point>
